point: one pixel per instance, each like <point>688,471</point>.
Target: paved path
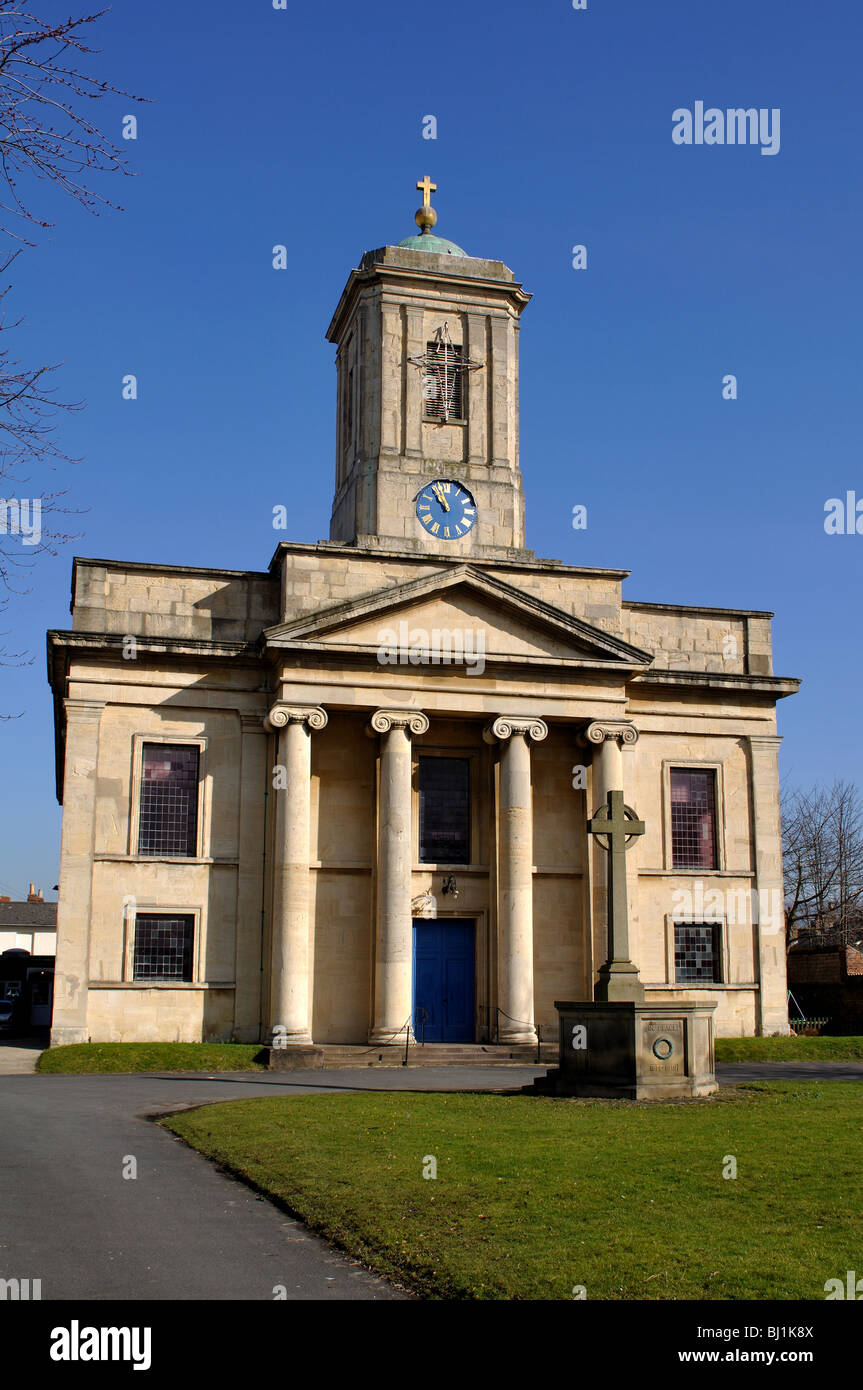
<point>19,1056</point>
<point>182,1230</point>
<point>733,1073</point>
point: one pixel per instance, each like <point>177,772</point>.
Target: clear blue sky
<point>304,127</point>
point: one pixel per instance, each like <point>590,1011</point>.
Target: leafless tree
<point>45,136</point>
<point>27,427</point>
<point>822,846</point>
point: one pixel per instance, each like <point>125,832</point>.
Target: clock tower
<point>427,426</point>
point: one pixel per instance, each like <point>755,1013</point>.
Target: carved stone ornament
<point>282,715</point>
<point>385,719</point>
<point>502,728</point>
<point>602,729</point>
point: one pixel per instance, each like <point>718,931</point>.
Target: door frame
<point>480,962</point>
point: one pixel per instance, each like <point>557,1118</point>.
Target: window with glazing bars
<point>696,953</point>
<point>168,816</point>
<point>443,382</point>
<point>163,947</point>
<point>444,810</point>
<point>693,818</point>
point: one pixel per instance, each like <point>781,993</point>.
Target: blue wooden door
<point>444,972</point>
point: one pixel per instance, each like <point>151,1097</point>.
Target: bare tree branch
<point>44,135</point>
<point>822,848</point>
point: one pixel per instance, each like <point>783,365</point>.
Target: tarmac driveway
<point>181,1229</point>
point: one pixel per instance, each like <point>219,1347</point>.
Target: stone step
<point>321,1056</point>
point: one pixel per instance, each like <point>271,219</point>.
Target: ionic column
<point>515,875</point>
<point>608,738</point>
<point>290,983</point>
<point>393,1000</point>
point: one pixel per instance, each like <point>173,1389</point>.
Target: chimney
<point>33,896</point>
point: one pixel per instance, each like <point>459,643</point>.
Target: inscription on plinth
<point>663,1046</point>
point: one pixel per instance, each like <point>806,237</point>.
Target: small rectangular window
<point>163,947</point>
<point>696,953</point>
<point>693,818</point>
<point>444,810</point>
<point>168,819</point>
<point>443,382</point>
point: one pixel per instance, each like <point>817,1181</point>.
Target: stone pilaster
<point>72,968</point>
<point>771,1002</point>
<point>393,982</point>
<point>477,391</point>
<point>515,875</point>
<point>413,404</point>
<point>290,979</point>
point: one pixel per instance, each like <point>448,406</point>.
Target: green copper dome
<point>435,245</point>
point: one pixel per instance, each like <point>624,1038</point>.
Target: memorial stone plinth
<point>618,1045</point>
<point>633,1051</point>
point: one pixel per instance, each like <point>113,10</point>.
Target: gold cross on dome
<point>427,188</point>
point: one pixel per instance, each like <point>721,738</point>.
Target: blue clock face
<point>446,510</point>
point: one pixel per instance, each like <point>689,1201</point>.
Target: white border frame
<point>146,909</point>
<point>696,765</point>
<point>202,843</point>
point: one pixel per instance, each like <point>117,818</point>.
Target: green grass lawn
<point>534,1196</point>
<point>127,1057</point>
<point>789,1049</point>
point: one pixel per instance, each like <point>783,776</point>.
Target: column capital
<point>281,715</point>
<point>505,725</point>
<point>622,731</point>
<point>412,720</point>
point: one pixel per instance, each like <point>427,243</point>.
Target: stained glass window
<point>444,810</point>
<point>696,953</point>
<point>163,947</point>
<point>168,821</point>
<point>693,818</point>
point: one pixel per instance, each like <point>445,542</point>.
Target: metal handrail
<point>526,1023</point>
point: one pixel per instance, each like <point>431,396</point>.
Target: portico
<point>496,889</point>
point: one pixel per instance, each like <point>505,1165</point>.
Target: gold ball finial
<point>425,219</point>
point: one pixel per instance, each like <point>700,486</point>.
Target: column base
<point>619,982</point>
<point>382,1037</point>
<point>516,1036</point>
<point>63,1035</point>
<point>296,1057</point>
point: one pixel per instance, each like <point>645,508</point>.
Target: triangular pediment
<point>460,603</point>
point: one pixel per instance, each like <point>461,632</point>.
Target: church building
<point>345,800</point>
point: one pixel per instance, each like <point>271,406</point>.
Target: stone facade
<point>305,883</point>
